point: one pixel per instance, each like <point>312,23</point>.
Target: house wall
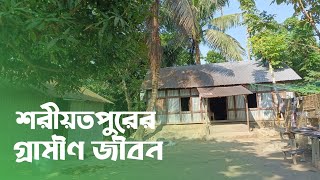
<point>168,106</point>
<point>169,110</point>
<point>265,112</point>
<point>267,99</point>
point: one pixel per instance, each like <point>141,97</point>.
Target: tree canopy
<point>214,57</point>
<point>291,43</point>
<point>69,42</point>
<point>197,20</point>
<point>103,44</point>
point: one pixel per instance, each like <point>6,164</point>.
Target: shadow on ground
<point>192,160</point>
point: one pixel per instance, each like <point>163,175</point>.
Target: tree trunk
<point>154,53</point>
<point>196,44</point>
<point>248,45</point>
<point>191,59</point>
<point>272,73</point>
<point>154,60</point>
<point>276,108</point>
<point>126,93</point>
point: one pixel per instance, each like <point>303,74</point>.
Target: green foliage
<point>197,21</point>
<point>92,43</point>
<point>305,89</point>
<point>303,49</point>
<point>308,10</point>
<point>300,88</point>
<point>176,50</point>
<point>248,6</point>
<point>68,42</point>
<point>311,6</point>
<point>294,44</point>
<point>256,21</point>
<point>269,46</point>
<point>214,57</point>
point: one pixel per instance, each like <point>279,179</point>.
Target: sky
<point>282,12</point>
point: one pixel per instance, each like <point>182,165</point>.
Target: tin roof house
<point>220,92</point>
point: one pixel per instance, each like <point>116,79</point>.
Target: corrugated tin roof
<point>223,91</point>
<point>219,74</point>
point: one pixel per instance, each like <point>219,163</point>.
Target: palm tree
<point>154,53</point>
<point>196,17</point>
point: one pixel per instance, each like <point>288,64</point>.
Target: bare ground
<point>241,155</point>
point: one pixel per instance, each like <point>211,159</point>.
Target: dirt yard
<point>255,155</point>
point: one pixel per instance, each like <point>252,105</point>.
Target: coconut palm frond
<point>184,14</point>
<point>226,44</point>
<point>209,6</point>
<point>227,21</point>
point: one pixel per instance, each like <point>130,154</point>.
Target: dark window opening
<point>252,100</point>
<point>185,104</point>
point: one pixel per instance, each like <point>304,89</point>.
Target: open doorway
<point>218,106</point>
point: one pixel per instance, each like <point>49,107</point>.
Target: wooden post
<point>235,108</point>
<point>201,110</point>
<point>315,151</point>
<point>247,111</point>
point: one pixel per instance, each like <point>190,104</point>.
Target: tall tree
<point>248,8</point>
<point>292,43</point>
<point>309,9</point>
<point>196,17</point>
<point>270,47</point>
<point>154,51</point>
<point>154,54</point>
<point>176,46</point>
<point>302,52</point>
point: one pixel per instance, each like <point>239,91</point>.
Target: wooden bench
<point>294,154</point>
